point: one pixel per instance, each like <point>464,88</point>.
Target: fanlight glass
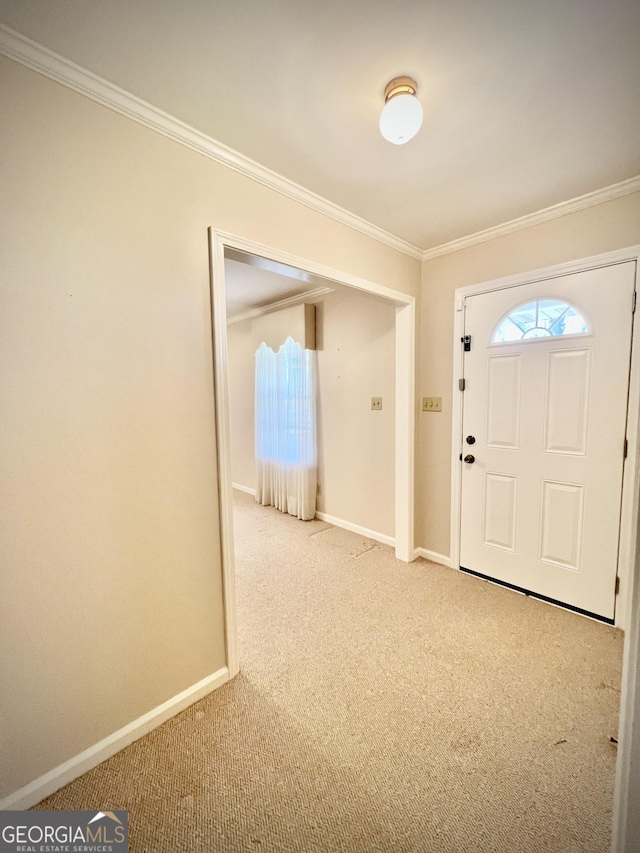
<point>542,318</point>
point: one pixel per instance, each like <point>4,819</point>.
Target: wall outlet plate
<point>376,404</point>
<point>432,404</point>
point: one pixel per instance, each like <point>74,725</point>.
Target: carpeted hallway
<point>381,707</point>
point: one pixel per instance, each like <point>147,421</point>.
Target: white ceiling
<point>253,283</point>
<point>527,103</point>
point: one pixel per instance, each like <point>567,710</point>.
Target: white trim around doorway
<point>404,406</point>
<point>631,478</point>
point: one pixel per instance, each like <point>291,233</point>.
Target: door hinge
<point>617,584</point>
<point>461,384</point>
<point>626,448</point>
<point>633,303</point>
<point>467,343</point>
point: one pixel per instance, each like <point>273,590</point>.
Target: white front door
<point>544,422</point>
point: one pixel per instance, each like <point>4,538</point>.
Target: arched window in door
<point>542,318</point>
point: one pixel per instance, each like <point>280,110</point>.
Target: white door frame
<point>404,407</point>
<point>631,476</point>
<point>625,822</point>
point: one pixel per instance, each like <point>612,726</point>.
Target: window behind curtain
<point>285,396</point>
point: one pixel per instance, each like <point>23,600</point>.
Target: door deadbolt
<point>469,458</point>
<point>471,439</point>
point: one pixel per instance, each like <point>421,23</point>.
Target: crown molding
<point>44,61</point>
<point>631,185</point>
<point>289,302</point>
<point>39,58</point>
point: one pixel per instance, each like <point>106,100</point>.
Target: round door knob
<point>469,458</point>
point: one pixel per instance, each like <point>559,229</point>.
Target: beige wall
<point>601,228</point>
<point>111,598</point>
<point>356,361</point>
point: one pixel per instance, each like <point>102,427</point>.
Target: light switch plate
<point>432,404</point>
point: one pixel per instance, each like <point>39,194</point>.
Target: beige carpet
<point>381,707</point>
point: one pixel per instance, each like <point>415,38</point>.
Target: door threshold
<point>538,595</point>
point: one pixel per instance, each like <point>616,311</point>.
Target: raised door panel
<point>561,525</point>
<point>567,401</point>
<point>499,511</point>
<point>503,401</point>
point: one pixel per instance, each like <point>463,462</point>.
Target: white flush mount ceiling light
<point>401,117</point>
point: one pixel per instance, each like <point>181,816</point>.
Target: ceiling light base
<point>400,86</point>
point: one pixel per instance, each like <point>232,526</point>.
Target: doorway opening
<point>306,277</point>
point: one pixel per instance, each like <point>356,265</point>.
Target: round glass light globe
<point>401,119</point>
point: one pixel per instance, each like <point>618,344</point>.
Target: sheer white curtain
<point>286,456</point>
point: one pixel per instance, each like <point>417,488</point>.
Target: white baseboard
<point>55,779</point>
<point>247,489</point>
<point>356,528</point>
<point>337,522</point>
<point>434,557</point>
